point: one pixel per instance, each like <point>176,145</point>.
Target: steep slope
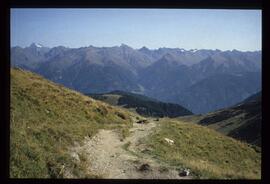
<point>56,52</point>
<point>170,79</point>
<point>141,104</point>
<point>29,57</point>
<point>165,78</point>
<point>186,57</point>
<point>242,122</point>
<point>56,132</point>
<point>168,74</point>
<point>46,119</point>
<point>92,69</point>
<point>219,91</point>
<point>253,98</point>
<point>91,78</point>
<point>228,62</point>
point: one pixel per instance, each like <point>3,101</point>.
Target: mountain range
<point>56,132</point>
<point>199,80</point>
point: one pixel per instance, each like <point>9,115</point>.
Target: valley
<point>134,93</point>
<point>242,121</point>
<point>142,105</point>
<point>61,133</point>
<point>198,80</point>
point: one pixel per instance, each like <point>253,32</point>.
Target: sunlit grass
<point>46,119</point>
<point>207,153</point>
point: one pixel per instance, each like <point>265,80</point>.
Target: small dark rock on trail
<point>144,167</point>
<point>144,121</point>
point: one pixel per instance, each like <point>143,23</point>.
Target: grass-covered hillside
<point>46,119</point>
<point>143,105</point>
<point>242,121</point>
<point>207,153</point>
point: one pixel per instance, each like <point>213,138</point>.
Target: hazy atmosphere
<point>153,28</point>
<point>135,94</point>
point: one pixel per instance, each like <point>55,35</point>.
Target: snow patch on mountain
<point>193,50</point>
<point>38,45</point>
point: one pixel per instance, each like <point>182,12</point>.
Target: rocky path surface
<point>109,157</point>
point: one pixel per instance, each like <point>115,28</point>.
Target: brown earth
<point>107,156</point>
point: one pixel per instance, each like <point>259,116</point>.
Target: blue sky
<point>153,28</point>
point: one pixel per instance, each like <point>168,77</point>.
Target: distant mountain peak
<point>193,50</point>
<point>144,48</point>
<point>234,50</point>
<point>60,47</point>
<point>38,45</point>
<point>125,46</point>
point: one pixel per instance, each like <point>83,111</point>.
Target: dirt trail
<point>109,157</point>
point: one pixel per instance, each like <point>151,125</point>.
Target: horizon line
<point>122,44</point>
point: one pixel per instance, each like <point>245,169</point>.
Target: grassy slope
<point>242,122</point>
<point>108,98</point>
<point>46,119</point>
<point>206,152</point>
